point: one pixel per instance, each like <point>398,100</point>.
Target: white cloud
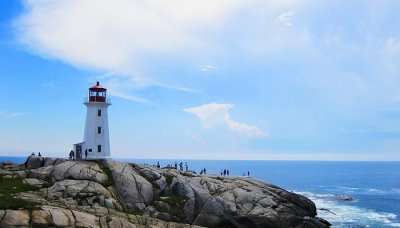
<point>122,88</point>
<point>208,67</point>
<point>10,115</point>
<point>215,114</point>
<point>285,18</point>
<point>126,87</point>
<point>114,35</point>
<point>117,36</point>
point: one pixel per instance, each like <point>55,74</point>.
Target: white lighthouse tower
<point>96,142</point>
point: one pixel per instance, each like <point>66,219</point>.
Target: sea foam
<point>342,215</point>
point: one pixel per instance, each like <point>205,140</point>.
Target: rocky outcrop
<point>237,201</point>
<point>48,216</point>
<point>108,193</point>
<point>79,171</point>
<point>34,162</point>
<point>134,190</point>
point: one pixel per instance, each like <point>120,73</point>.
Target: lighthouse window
<point>99,112</point>
<point>99,148</point>
<point>98,130</point>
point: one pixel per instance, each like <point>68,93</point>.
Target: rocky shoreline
<point>49,192</point>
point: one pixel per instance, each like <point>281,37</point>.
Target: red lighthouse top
<point>97,93</point>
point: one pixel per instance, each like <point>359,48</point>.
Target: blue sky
<point>211,79</point>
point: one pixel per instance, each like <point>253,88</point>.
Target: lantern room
<point>97,93</point>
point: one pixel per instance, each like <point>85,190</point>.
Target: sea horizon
<point>206,159</point>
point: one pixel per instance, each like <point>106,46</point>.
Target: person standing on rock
<point>39,155</point>
<point>227,172</point>
<point>158,165</point>
<point>186,167</point>
<point>248,173</point>
<point>85,154</point>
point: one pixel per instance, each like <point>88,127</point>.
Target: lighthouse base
<point>80,153</point>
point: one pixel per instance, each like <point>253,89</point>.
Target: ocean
<point>374,186</point>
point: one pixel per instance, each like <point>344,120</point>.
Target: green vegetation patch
<point>134,211</point>
<point>169,179</point>
<point>108,172</point>
<point>9,187</point>
<point>176,203</point>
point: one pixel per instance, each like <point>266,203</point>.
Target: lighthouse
<point>96,141</point>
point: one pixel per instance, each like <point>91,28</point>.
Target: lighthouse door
<point>78,152</point>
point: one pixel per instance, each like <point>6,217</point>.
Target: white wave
<point>363,191</point>
<point>341,215</point>
<point>348,188</point>
<point>375,191</point>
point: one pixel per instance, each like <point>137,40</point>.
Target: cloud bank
<point>117,36</point>
<point>114,35</point>
<point>214,114</point>
<point>10,115</point>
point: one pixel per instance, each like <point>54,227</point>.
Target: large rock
<point>53,161</point>
<point>133,189</point>
<point>13,218</point>
<point>120,223</point>
<point>85,220</point>
<point>93,192</point>
<point>49,216</point>
<point>42,173</point>
<point>77,188</point>
<point>40,218</point>
<point>34,182</point>
<point>79,170</point>
<point>237,202</point>
<point>34,162</point>
<point>54,216</point>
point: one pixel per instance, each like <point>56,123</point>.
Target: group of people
<point>33,154</point>
<point>77,156</point>
<point>225,172</point>
<point>182,166</point>
<point>203,171</point>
